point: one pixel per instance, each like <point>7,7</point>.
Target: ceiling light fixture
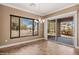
<point>33,4</point>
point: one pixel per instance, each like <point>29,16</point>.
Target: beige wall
<point>78,27</point>
<point>66,10</point>
<point>0,24</point>
<point>5,24</point>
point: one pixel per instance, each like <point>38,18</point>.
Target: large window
<point>22,27</point>
<point>26,27</point>
<point>14,27</point>
<point>36,25</point>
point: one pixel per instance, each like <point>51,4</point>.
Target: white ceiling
<point>41,9</point>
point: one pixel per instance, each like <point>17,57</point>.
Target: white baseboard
<point>77,47</point>
<point>9,45</point>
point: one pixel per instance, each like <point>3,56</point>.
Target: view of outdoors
<point>51,27</point>
<point>15,27</point>
<point>67,28</point>
<point>63,28</point>
<point>36,27</point>
<point>23,26</point>
<point>26,27</point>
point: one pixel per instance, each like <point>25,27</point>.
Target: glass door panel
<point>61,30</point>
<point>51,30</point>
<point>66,30</point>
<point>65,27</point>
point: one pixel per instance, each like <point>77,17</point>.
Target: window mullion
<point>19,26</point>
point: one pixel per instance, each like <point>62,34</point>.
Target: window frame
<point>37,29</point>
<point>19,27</point>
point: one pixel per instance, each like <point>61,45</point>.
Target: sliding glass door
<point>51,29</point>
<point>66,32</point>
<point>61,30</point>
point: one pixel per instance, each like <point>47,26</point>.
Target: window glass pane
<point>67,28</point>
<point>23,27</point>
<point>36,22</point>
<point>14,26</point>
<point>51,27</point>
<point>26,27</point>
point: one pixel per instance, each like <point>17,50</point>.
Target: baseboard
<point>77,47</point>
<point>14,44</point>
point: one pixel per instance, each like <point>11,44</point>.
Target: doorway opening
<point>61,30</point>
